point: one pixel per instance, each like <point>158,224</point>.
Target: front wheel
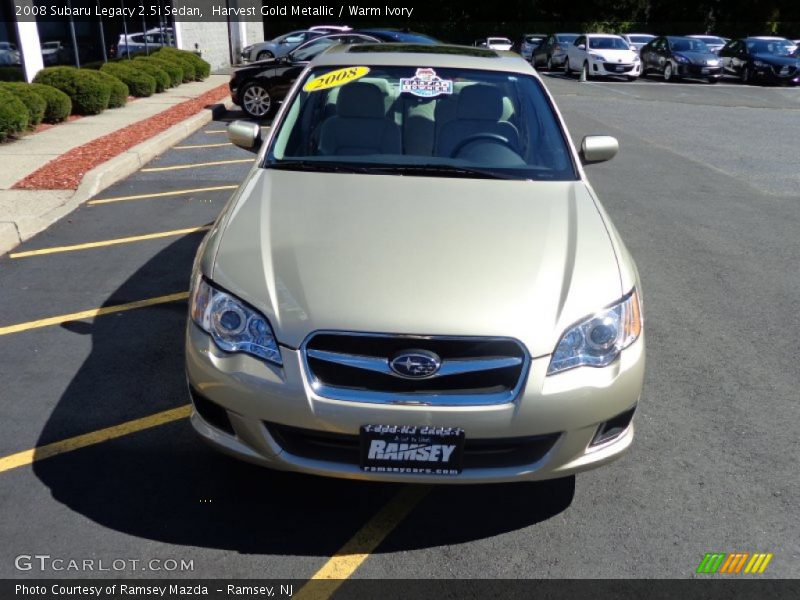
<point>549,63</point>
<point>585,74</point>
<point>747,76</point>
<point>669,73</point>
<point>567,69</point>
<point>264,55</point>
<point>256,100</point>
<point>712,80</point>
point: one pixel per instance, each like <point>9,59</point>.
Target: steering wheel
<point>491,137</point>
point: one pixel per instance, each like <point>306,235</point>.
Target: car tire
<point>668,73</point>
<point>746,76</point>
<point>586,74</point>
<point>567,69</point>
<point>713,80</point>
<point>256,100</point>
<point>549,66</point>
<point>264,55</point>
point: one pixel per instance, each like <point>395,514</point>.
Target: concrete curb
<point>48,206</point>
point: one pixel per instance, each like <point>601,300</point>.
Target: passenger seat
<point>360,125</point>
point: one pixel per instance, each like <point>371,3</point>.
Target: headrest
<point>360,100</point>
<point>480,102</point>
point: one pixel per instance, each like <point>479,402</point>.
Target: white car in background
<point>637,40</point>
<point>602,55</point>
<point>498,43</point>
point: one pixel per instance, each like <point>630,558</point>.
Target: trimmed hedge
<point>201,67</point>
<point>163,80</point>
<point>13,115</point>
<point>11,74</point>
<point>139,83</point>
<point>59,106</point>
<point>34,103</point>
<point>189,71</point>
<point>172,69</point>
<point>89,94</point>
<point>119,91</point>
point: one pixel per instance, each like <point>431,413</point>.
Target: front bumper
<point>699,71</point>
<point>256,403</point>
<point>606,69</point>
<point>777,76</point>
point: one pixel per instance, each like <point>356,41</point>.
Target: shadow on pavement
<point>164,484</point>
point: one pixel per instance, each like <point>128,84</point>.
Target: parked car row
<point>706,57</point>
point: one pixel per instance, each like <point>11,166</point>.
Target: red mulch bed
<point>67,171</point>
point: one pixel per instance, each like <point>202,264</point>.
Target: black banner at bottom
<point>403,589</point>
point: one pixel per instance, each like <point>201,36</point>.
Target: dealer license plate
<point>705,70</point>
<point>620,69</point>
<point>411,449</point>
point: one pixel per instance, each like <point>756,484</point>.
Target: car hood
<point>698,58</point>
<point>774,59</point>
<point>623,56</point>
<point>417,255</point>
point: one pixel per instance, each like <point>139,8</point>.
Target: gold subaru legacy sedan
<point>416,282</point>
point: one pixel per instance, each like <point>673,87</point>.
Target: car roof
<point>770,38</point>
<point>419,55</point>
<point>602,35</point>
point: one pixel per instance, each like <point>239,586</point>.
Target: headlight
<point>234,326</point>
<point>681,59</point>
<point>247,49</point>
<point>598,340</point>
<point>713,62</point>
<point>595,56</point>
<point>759,63</point>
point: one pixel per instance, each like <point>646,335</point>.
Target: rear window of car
<point>422,120</point>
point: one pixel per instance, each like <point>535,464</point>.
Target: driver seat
<point>479,110</point>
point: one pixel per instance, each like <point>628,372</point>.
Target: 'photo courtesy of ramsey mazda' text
<point>416,282</point>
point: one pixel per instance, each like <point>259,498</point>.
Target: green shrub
<point>172,69</point>
<point>119,91</point>
<point>139,83</point>
<point>163,80</point>
<point>89,94</point>
<point>11,74</point>
<point>13,115</point>
<point>189,71</point>
<point>59,106</point>
<point>201,67</point>
<point>34,103</point>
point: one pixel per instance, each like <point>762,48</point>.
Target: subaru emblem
<point>415,364</point>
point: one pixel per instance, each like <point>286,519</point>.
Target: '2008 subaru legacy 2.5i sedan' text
<point>416,282</point>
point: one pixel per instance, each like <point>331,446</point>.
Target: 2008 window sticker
<point>426,84</point>
<point>335,78</point>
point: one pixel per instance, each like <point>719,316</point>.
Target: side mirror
<point>598,148</point>
<point>582,46</point>
<point>245,135</point>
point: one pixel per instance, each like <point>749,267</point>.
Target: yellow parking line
<point>350,556</point>
<point>125,240</point>
<point>196,165</point>
<point>27,457</point>
<point>215,188</point>
<point>94,312</point>
<point>196,146</point>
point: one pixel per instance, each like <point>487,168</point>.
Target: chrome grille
<point>358,367</point>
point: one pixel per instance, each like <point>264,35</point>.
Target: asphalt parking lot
<point>706,194</point>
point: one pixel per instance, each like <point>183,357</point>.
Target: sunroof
<point>424,49</point>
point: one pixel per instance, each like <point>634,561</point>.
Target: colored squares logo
<point>734,563</point>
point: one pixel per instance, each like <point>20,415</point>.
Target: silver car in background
<point>714,42</point>
<point>280,46</point>
<point>638,40</point>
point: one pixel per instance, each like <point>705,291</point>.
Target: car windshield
<point>443,122</point>
<point>608,43</point>
<point>688,45</point>
<point>567,38</point>
<point>499,40</point>
<point>776,47</point>
<point>640,39</point>
<point>710,39</point>
<point>311,49</point>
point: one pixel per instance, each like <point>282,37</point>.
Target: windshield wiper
<point>318,166</point>
<point>441,170</point>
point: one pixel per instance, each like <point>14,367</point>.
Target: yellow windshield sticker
<point>335,78</point>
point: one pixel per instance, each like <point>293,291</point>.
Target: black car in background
<point>258,88</point>
<point>676,57</point>
<point>552,52</point>
<point>761,59</point>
